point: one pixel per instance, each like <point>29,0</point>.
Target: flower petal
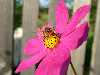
<point>77,17</point>
<point>61,16</point>
<point>52,69</point>
<point>25,64</point>
<point>64,67</point>
<point>77,37</point>
<point>33,46</point>
<point>52,64</point>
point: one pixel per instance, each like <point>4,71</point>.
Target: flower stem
<point>73,68</point>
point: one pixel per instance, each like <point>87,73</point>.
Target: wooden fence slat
<point>95,63</point>
<point>6,27</point>
<point>30,15</point>
<point>79,54</point>
<point>52,10</point>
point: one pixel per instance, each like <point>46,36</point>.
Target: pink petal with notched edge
<point>25,64</point>
<point>77,17</point>
<point>52,64</point>
<point>77,37</point>
<point>33,46</point>
<point>61,14</point>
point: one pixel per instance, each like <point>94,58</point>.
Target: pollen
<point>51,41</point>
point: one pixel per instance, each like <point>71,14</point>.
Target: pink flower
<point>53,47</point>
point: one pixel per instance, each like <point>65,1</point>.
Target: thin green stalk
<point>73,68</point>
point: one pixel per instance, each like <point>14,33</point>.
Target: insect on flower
<point>53,47</point>
<point>50,37</point>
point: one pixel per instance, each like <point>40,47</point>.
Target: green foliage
<point>18,15</point>
<point>43,16</point>
<point>88,53</point>
<point>93,14</point>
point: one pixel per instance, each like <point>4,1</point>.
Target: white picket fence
<point>29,18</point>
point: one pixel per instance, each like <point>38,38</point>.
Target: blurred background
<point>19,20</point>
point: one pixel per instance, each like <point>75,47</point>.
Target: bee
<point>48,32</point>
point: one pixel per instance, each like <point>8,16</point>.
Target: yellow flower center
<point>51,41</point>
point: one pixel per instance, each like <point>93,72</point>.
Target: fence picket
<point>52,11</point>
<point>95,63</point>
<point>6,26</point>
<point>30,15</point>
